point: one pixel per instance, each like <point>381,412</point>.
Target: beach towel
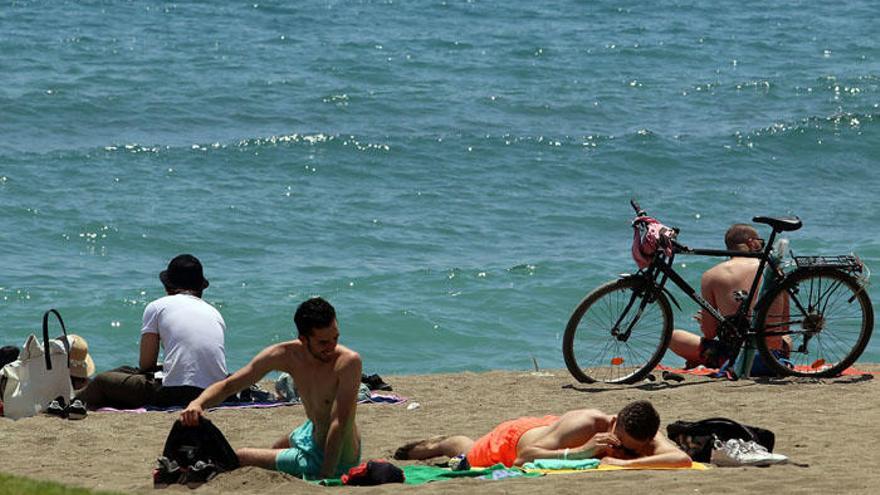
<point>374,398</point>
<point>697,466</point>
<point>556,464</point>
<point>703,371</point>
<point>418,474</point>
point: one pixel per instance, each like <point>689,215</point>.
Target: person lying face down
<point>630,438</point>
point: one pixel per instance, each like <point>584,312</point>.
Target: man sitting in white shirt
<point>190,331</point>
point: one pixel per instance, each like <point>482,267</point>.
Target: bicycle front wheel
<point>816,323</point>
<point>616,335</point>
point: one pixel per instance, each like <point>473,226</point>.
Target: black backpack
<point>696,438</point>
<point>188,444</point>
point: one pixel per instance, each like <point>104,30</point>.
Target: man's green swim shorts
<point>304,457</point>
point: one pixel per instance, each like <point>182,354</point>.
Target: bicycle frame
<point>664,266</point>
<point>605,341</point>
<point>612,335</point>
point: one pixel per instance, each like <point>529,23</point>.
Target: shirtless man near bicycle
<point>630,438</point>
<point>327,376</point>
<point>718,286</point>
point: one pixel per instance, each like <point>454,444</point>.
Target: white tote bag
<point>41,374</point>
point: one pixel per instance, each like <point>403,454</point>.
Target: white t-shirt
<point>191,333</point>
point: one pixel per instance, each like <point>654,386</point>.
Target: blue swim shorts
<point>304,457</point>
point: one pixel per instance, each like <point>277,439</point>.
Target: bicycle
<point>814,320</point>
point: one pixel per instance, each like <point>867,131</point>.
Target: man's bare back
<point>580,434</point>
<point>588,433</point>
<point>719,283</point>
<point>719,286</point>
<point>572,430</point>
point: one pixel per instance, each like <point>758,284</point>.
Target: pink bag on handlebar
<point>648,236</point>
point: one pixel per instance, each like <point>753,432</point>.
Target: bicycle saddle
<point>781,224</point>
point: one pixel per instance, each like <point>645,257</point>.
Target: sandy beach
<point>827,427</point>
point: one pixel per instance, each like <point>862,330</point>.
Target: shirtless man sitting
<point>327,376</point>
<point>630,438</point>
<point>718,286</point>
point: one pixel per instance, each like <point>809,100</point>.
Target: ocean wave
<point>836,123</point>
<point>464,141</point>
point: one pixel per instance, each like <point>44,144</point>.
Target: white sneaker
<point>738,452</point>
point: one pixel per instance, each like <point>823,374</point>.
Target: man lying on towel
<point>631,438</point>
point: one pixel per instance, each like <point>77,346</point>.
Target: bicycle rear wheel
<point>615,335</point>
<point>816,323</point>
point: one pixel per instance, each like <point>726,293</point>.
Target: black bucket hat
<point>184,272</point>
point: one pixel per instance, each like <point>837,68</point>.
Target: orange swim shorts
<point>499,445</point>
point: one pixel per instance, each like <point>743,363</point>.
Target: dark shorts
<point>714,354</point>
<point>128,388</point>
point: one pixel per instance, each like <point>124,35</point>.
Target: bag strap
<point>64,341</point>
<point>727,421</point>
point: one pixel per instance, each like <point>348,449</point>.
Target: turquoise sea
<point>453,176</point>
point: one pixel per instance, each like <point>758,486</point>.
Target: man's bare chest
<point>316,387</point>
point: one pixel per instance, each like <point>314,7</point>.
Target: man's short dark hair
<point>639,420</point>
<point>739,234</point>
<point>313,313</point>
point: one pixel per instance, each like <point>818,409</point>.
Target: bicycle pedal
<point>740,295</point>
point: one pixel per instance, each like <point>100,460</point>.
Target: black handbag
<point>696,438</point>
<point>187,445</point>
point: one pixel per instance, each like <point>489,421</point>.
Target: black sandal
<point>57,407</point>
<point>76,410</point>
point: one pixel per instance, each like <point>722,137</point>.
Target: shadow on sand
<point>657,385</point>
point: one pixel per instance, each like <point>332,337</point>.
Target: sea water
<point>453,176</point>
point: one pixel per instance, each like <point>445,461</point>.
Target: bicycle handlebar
<point>677,246</point>
<point>639,211</point>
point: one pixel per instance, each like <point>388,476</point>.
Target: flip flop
<point>76,410</point>
<point>671,376</point>
<point>57,407</point>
